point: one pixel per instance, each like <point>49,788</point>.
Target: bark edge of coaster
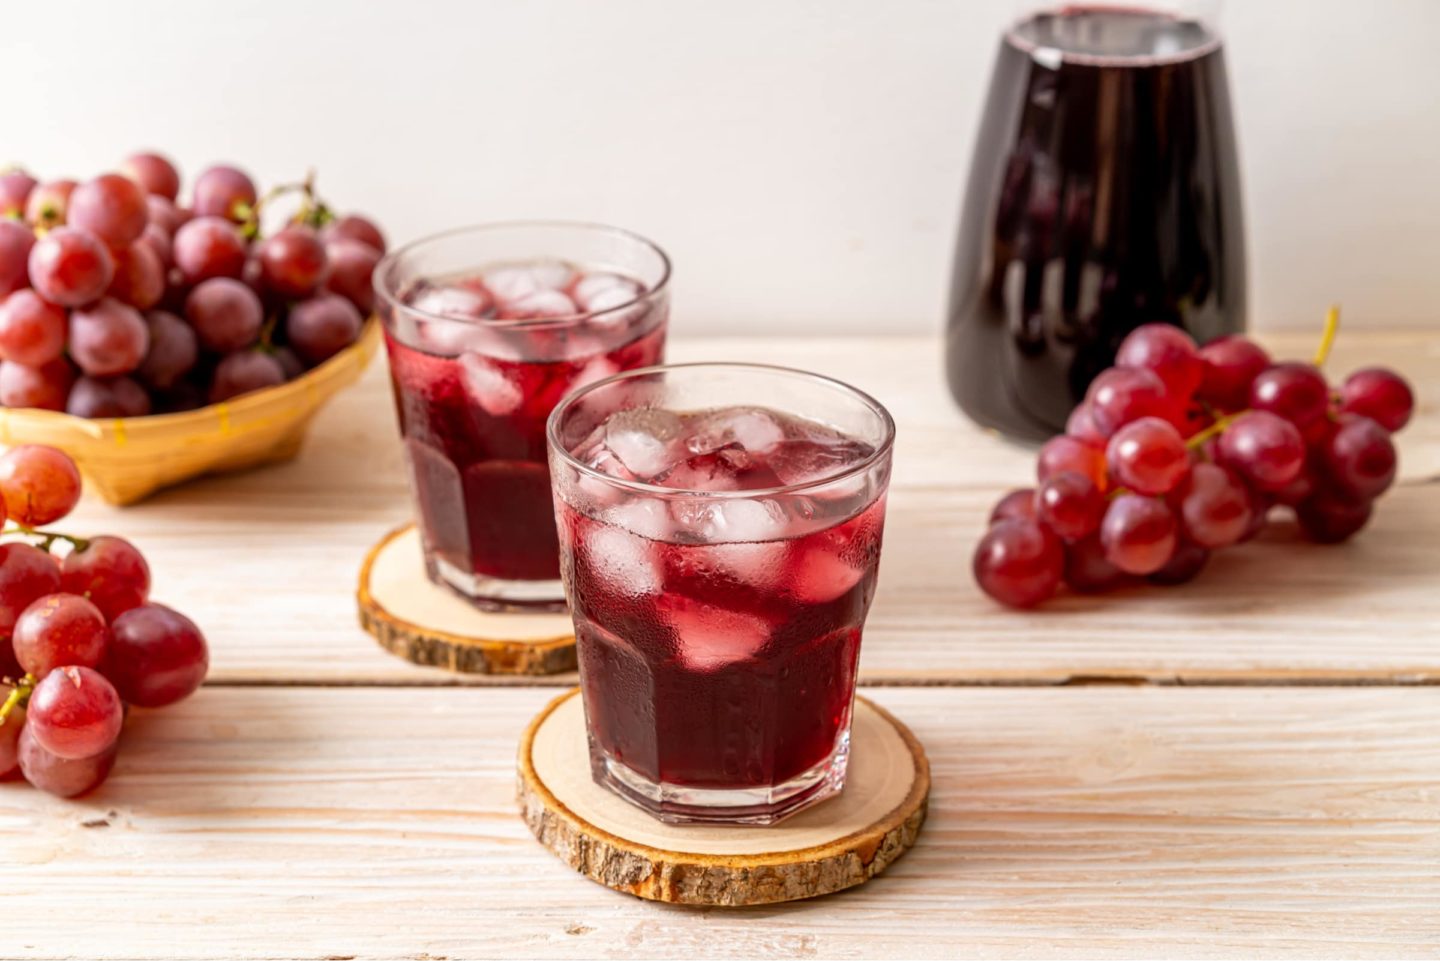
<point>427,624</point>
<point>841,842</point>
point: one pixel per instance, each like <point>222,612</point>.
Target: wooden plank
<point>266,561</point>
<point>1098,822</point>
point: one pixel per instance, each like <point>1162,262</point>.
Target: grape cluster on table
<point>117,301</point>
<point>79,638</point>
<point>1178,451</point>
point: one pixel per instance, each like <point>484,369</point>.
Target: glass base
<point>497,594</point>
<point>681,804</point>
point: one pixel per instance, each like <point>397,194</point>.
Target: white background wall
<point>802,160</point>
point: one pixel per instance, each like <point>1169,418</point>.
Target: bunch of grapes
<point>1178,451</point>
<point>79,638</point>
<point>115,301</point>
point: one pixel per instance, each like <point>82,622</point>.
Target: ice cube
<point>817,570</point>
<point>538,305</point>
<point>800,460</point>
<point>626,562</point>
<point>488,386</point>
<point>646,440</point>
<point>727,520</point>
<point>461,303</point>
<point>513,282</point>
<point>644,516</point>
<point>751,428</point>
<point>595,369</point>
<point>709,636</point>
<point>760,565</point>
<point>728,469</point>
<point>605,291</point>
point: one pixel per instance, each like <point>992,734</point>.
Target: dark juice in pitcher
<point>1104,194</point>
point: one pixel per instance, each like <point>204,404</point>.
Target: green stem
<point>18,694</point>
<point>47,538</point>
<point>1327,339</point>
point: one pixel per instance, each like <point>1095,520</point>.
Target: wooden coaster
<point>839,843</point>
<point>423,622</point>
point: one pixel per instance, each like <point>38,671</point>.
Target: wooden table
<point>1249,765</point>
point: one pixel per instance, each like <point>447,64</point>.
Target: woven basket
<point>125,460</point>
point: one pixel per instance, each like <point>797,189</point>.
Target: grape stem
<point>1327,338</point>
<point>47,538</point>
<point>313,210</point>
<point>19,694</point>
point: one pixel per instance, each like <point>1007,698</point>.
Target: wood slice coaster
<point>423,622</point>
<point>839,843</point>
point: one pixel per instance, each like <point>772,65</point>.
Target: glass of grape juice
<point>720,530</point>
<point>487,328</point>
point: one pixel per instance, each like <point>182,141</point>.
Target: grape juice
<point>718,636</point>
<point>1104,194</point>
<point>477,368</point>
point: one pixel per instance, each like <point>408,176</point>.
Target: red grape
<point>1330,516</point>
<point>226,314</point>
<point>1213,506</point>
<point>1068,453</point>
<point>1185,564</point>
<point>223,191</point>
<point>355,227</point>
<point>1070,505</point>
<point>1017,503</point>
<point>10,727</point>
<point>1138,533</point>
<point>16,243</point>
<point>107,397</point>
<point>60,629</point>
<point>139,276</point>
<point>322,326</point>
<point>1081,425</point>
<point>62,777</point>
<point>1120,395</point>
<point>1019,562</point>
<point>1299,489</point>
<point>292,262</point>
<point>173,351</point>
<point>70,266</point>
<point>32,330</point>
<point>1294,391</point>
<point>39,484</point>
<point>159,243</point>
<point>110,572</point>
<point>74,712</point>
<point>1088,570</point>
<point>154,173</point>
<point>1232,363</point>
<point>208,247</point>
<point>26,574</point>
<point>352,267</point>
<point>1379,394</point>
<point>44,387</point>
<point>243,372</point>
<point>15,189</point>
<point>1263,448</point>
<point>48,203</point>
<point>1169,352</point>
<point>1148,456</point>
<point>157,657</point>
<point>1359,457</point>
<point>289,361</point>
<point>108,338</point>
<point>164,214</point>
<point>111,207</point>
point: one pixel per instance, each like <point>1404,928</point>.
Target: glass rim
<point>392,258</point>
<point>880,453</point>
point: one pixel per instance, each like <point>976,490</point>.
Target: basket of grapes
<point>155,342</point>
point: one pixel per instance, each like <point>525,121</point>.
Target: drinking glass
<point>487,328</point>
<point>720,529</point>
